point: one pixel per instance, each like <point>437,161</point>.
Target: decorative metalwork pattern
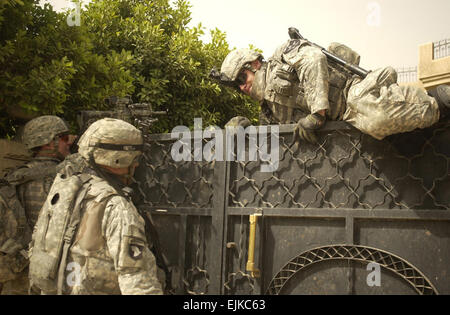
<point>349,169</point>
<point>196,280</point>
<point>175,184</point>
<point>352,252</point>
<point>166,184</point>
<point>239,281</point>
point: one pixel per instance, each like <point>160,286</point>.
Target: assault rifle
<point>295,34</point>
<point>140,115</point>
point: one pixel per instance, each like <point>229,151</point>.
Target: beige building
<point>433,66</point>
<point>434,63</point>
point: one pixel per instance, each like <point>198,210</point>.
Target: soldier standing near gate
<point>24,194</point>
<point>105,248</point>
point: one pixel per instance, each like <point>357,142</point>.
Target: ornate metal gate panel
<point>353,198</point>
<point>352,253</point>
<point>184,200</point>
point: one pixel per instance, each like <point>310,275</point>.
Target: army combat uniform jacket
<point>32,184</point>
<point>110,254</point>
<point>298,80</point>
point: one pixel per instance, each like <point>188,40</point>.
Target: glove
<point>306,127</point>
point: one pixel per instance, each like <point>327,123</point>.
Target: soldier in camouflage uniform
<point>298,85</point>
<point>110,247</point>
<point>47,137</point>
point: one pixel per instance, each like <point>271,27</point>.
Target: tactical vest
<point>62,225</point>
<point>285,96</point>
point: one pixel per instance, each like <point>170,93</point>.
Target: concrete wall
<point>12,153</point>
<point>431,71</point>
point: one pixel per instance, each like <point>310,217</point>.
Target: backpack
<point>57,225</point>
<point>55,229</point>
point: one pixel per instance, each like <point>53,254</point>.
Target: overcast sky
<point>383,32</point>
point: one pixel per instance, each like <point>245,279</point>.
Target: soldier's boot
<point>442,95</point>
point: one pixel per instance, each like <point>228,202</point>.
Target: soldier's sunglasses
<point>241,79</point>
<point>64,138</point>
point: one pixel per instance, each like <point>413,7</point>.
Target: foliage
<point>141,48</point>
<point>172,62</point>
<point>51,68</point>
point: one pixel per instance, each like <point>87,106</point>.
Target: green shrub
<point>140,48</point>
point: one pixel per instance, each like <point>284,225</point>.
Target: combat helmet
<point>111,142</point>
<point>236,60</point>
<point>42,130</point>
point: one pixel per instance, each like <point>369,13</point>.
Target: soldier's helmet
<point>235,61</point>
<point>111,142</point>
<point>42,130</point>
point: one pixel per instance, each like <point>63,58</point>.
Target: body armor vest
<point>284,95</point>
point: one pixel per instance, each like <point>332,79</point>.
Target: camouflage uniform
<point>109,253</point>
<point>380,107</point>
<point>32,195</point>
<point>32,183</point>
<point>110,246</point>
<point>297,80</point>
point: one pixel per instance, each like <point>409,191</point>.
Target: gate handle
<point>254,272</point>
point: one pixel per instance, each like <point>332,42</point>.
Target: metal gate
<point>351,215</point>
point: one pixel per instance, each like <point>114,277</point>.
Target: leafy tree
<point>141,48</point>
<point>49,67</point>
<point>172,62</point>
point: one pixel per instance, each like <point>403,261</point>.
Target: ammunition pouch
<point>286,72</point>
<point>280,89</point>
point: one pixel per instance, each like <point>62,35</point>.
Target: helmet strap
<point>109,176</point>
<point>259,84</point>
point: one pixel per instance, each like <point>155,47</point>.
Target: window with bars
<point>441,48</point>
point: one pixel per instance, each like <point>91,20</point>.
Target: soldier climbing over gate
<point>299,84</point>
